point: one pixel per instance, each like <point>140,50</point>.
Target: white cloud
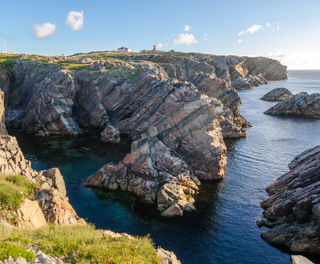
<point>205,36</point>
<point>239,41</point>
<point>44,30</point>
<point>185,38</point>
<point>250,30</point>
<point>296,59</point>
<point>161,45</point>
<point>75,20</point>
<point>187,27</point>
<point>268,24</point>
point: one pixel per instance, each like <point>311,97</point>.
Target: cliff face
<point>292,212</point>
<point>176,107</point>
<point>49,204</point>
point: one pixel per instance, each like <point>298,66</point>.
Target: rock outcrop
<point>175,107</point>
<point>302,104</point>
<point>49,204</point>
<point>278,94</point>
<point>292,212</point>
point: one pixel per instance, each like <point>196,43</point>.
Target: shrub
<point>8,249</point>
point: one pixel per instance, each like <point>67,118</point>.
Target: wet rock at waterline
<point>110,134</point>
<point>278,94</point>
<point>292,212</point>
<point>302,104</point>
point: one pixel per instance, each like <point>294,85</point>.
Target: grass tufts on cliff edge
<point>13,188</point>
<point>83,244</point>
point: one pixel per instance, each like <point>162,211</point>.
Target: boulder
<point>292,212</point>
<point>30,215</point>
<point>278,94</point>
<point>52,178</point>
<point>110,134</point>
<point>302,104</point>
<point>56,208</point>
<point>167,257</point>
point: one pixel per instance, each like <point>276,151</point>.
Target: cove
<point>223,230</point>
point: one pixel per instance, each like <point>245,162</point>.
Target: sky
<point>287,30</point>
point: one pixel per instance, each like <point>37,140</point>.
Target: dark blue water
<point>223,230</point>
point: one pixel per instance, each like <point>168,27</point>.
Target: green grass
<point>13,189</point>
<point>83,244</point>
<point>9,249</point>
<point>7,62</point>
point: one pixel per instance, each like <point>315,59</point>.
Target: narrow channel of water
<point>223,230</point>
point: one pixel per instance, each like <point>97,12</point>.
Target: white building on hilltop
<point>124,49</point>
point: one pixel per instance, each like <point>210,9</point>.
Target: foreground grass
<point>83,244</point>
<point>9,249</point>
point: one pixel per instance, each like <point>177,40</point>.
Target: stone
<point>110,134</point>
<point>167,257</point>
<point>278,94</point>
<point>56,208</point>
<point>292,211</point>
<point>300,105</point>
<point>30,215</point>
<point>298,259</point>
<point>53,178</point>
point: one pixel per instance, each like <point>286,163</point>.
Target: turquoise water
<point>223,230</point>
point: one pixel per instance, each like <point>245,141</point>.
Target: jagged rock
<point>52,178</point>
<point>278,94</point>
<point>4,84</point>
<point>302,104</point>
<point>292,212</point>
<point>110,134</point>
<point>2,124</point>
<point>167,257</point>
<point>56,208</point>
<point>30,215</point>
<point>12,160</point>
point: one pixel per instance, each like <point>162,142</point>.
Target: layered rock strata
<point>175,107</point>
<point>292,212</point>
<point>278,94</point>
<point>302,104</point>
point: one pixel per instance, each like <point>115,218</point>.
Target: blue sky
<point>282,29</point>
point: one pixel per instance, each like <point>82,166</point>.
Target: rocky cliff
<point>292,212</point>
<point>176,108</point>
<point>49,204</point>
